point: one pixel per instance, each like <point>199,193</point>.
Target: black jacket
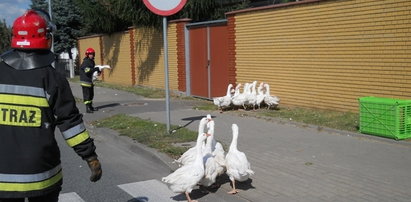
<point>87,69</point>
<point>33,102</point>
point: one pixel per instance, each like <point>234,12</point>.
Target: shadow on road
<point>190,121</point>
<point>139,199</point>
<point>108,105</point>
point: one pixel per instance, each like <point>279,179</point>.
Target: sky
<point>11,9</point>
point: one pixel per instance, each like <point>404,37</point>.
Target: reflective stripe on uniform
<point>88,102</point>
<point>31,186</point>
<point>30,177</point>
<point>24,100</point>
<point>30,182</point>
<point>73,131</point>
<point>23,90</point>
<point>86,83</point>
<point>79,138</point>
<point>13,115</point>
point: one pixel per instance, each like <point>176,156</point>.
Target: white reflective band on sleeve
<point>23,43</point>
<point>67,134</point>
<point>22,32</point>
<point>30,177</point>
<point>23,90</point>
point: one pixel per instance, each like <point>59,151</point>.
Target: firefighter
<point>87,70</point>
<point>34,100</point>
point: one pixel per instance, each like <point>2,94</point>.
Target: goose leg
<point>233,191</point>
<point>188,198</point>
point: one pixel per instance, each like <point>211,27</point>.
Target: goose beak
<point>207,134</point>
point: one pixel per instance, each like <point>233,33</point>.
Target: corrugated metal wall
<point>209,70</point>
<point>328,53</point>
<point>199,62</point>
<point>116,51</point>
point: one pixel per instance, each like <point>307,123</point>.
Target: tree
<point>69,25</point>
<point>107,16</point>
<point>40,4</point>
<point>67,18</point>
<point>104,16</point>
<point>5,36</point>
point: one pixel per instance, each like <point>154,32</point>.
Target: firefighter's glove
<point>95,168</point>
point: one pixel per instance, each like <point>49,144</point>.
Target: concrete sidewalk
<point>291,162</point>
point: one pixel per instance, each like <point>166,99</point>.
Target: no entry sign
<point>165,7</point>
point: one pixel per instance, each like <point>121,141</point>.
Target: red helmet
<point>90,51</point>
<point>31,31</point>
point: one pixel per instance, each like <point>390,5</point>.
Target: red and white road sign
<point>165,7</point>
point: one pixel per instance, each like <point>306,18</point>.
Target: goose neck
<point>233,144</point>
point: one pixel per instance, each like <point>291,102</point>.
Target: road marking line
<point>150,190</point>
<point>70,197</point>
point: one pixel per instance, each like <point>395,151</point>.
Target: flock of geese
<point>203,163</point>
<point>249,97</point>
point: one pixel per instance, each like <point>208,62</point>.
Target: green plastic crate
<point>385,117</point>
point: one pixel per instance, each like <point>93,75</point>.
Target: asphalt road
<point>131,173</point>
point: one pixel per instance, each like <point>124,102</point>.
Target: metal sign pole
<point>165,8</point>
<point>166,72</point>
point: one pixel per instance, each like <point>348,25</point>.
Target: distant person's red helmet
<point>90,51</point>
<point>31,31</point>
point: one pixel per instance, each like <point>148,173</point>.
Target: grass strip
<point>150,133</point>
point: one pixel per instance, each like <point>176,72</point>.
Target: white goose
<point>186,177</point>
<point>240,99</point>
<point>190,155</point>
<point>251,98</point>
<point>224,101</point>
<point>238,167</point>
<point>213,156</point>
<point>268,99</point>
<point>100,67</point>
<point>260,95</point>
<point>236,90</point>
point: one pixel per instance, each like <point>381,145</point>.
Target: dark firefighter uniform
<point>87,69</point>
<point>34,100</point>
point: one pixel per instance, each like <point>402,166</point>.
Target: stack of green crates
<point>385,117</point>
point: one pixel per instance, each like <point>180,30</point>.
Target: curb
<point>131,145</point>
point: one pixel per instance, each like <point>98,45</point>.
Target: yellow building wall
<point>116,51</point>
<point>89,42</point>
<point>172,56</point>
<point>149,57</point>
<point>329,53</point>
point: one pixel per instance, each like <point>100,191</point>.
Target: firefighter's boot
<point>93,108</point>
<point>89,108</point>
